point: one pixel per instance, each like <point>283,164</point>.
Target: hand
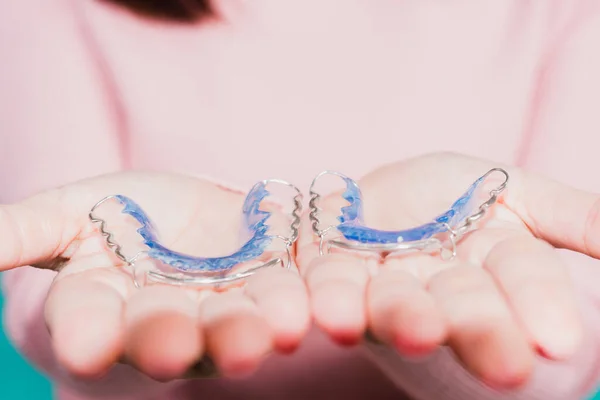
<point>504,298</point>
<point>96,315</point>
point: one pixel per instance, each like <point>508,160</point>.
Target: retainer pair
<point>349,232</point>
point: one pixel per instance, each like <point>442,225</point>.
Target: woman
<point>248,90</point>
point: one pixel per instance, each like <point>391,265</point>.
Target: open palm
<point>97,316</point>
<point>506,295</point>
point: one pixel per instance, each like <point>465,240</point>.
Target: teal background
<point>18,380</point>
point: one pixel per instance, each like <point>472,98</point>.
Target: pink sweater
<point>86,88</point>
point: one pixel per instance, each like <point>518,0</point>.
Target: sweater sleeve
<point>561,140</point>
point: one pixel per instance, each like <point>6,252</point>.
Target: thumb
<point>559,214</point>
<point>37,230</point>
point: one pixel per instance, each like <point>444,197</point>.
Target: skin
<point>485,305</point>
<point>96,315</point>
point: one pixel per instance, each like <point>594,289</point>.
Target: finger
<point>282,298</point>
<point>84,314</point>
<point>163,338</point>
<point>401,312</point>
<point>482,331</point>
<point>34,231</point>
<point>538,288</point>
<point>237,336</point>
<point>563,216</point>
<point>337,281</point>
<point>337,285</point>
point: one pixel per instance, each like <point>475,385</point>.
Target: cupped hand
<point>505,297</point>
<point>96,315</point>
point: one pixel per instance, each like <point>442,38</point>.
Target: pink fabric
<point>86,88</point>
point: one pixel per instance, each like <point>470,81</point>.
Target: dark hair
<point>176,10</point>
